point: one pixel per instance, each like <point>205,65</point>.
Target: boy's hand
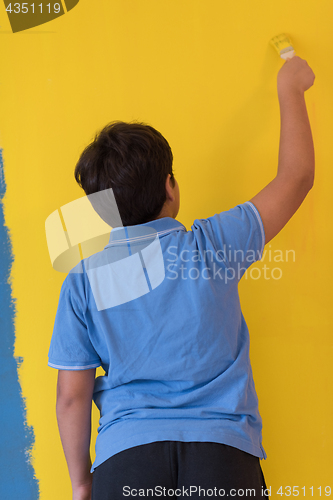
<point>295,75</point>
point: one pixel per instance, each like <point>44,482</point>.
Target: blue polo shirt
<point>175,352</point>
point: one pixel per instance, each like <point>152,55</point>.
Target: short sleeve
<point>238,236</point>
<point>71,347</point>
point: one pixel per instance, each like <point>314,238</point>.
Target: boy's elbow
<point>306,181</point>
<point>71,403</point>
<point>65,400</point>
<point>309,181</point>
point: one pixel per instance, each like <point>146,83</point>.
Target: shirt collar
<point>163,226</point>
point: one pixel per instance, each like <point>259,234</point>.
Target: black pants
<point>183,470</point>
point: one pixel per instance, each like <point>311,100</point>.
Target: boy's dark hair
<point>134,160</point>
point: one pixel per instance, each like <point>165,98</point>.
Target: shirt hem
<point>229,439</point>
<point>262,231</point>
<point>73,367</point>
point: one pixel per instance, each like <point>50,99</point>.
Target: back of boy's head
<point>134,160</point>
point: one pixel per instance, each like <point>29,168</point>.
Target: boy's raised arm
<point>279,200</point>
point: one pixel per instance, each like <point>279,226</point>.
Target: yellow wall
<point>204,74</point>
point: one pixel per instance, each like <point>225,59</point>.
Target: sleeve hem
<point>262,231</point>
<point>73,367</point>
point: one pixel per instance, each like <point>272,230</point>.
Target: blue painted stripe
<point>17,476</point>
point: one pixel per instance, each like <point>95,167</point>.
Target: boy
<point>179,411</point>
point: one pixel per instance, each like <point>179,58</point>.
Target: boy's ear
<point>169,188</point>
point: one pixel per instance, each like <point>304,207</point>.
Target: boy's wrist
<point>82,491</point>
<point>84,479</point>
<point>289,94</point>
